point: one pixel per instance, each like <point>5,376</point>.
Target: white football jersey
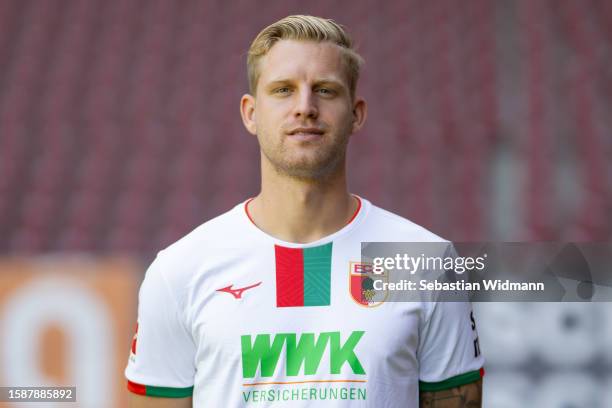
<point>235,317</point>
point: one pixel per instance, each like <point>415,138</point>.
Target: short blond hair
<point>303,28</point>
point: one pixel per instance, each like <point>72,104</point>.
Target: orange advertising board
<point>68,321</point>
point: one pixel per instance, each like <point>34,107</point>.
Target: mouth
<point>306,134</point>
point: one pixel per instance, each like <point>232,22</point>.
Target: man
<point>254,306</point>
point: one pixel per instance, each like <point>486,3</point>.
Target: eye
<point>282,90</point>
<point>326,91</point>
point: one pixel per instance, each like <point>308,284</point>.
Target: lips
<point>307,135</point>
<point>306,131</point>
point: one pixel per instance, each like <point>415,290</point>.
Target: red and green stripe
<point>167,392</point>
<point>303,276</point>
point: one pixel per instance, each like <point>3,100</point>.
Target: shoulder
<point>382,225</point>
<point>217,231</point>
<point>181,261</point>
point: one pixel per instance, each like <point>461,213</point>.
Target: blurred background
<point>120,132</point>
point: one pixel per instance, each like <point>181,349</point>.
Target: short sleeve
<point>449,349</point>
<point>162,353</point>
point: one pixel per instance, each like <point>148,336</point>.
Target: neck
<point>301,210</point>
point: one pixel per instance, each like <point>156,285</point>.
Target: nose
<point>306,105</point>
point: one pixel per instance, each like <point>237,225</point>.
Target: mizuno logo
<point>237,293</point>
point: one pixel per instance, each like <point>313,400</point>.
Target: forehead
<point>302,60</point>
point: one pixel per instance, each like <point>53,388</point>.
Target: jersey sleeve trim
<point>166,392</point>
<point>456,381</point>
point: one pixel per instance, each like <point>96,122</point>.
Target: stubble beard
<point>323,165</point>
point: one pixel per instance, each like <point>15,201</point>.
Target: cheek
<point>271,115</point>
<point>268,127</point>
<point>342,118</point>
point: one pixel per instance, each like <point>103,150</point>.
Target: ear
<point>360,113</point>
<point>247,111</point>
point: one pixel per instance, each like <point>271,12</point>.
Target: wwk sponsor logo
<point>264,350</point>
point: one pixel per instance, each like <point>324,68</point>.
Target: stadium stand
<point>119,127</point>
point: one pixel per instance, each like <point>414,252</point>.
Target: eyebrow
<point>281,81</point>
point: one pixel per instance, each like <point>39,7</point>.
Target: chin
<point>309,169</point>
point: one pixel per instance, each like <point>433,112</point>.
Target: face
<point>303,113</point>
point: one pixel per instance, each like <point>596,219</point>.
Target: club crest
<point>361,284</point>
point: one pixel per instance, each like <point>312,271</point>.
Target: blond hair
<point>303,28</point>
